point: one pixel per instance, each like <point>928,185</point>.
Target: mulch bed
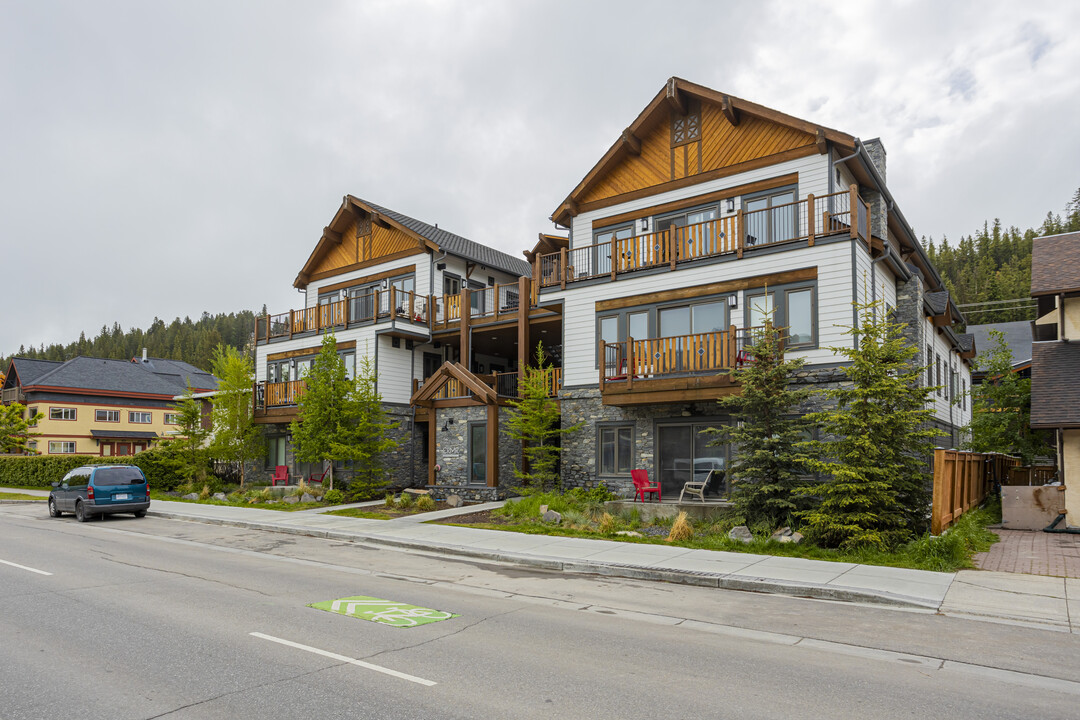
<point>398,512</point>
<point>485,517</point>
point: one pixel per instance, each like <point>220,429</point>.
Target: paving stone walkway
<point>1033,552</point>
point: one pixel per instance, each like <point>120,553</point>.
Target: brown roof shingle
<point>1055,384</point>
<point>1055,264</point>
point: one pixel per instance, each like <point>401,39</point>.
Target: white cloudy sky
<point>166,158</point>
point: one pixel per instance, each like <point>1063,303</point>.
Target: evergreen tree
<point>769,464</point>
<point>15,429</point>
<point>236,436</point>
<point>877,439</point>
<point>1001,408</point>
<point>339,419</point>
<point>536,420</point>
<point>191,437</point>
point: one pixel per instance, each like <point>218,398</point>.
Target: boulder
<point>307,498</point>
<point>552,517</point>
<point>292,500</point>
<point>543,509</point>
<point>629,533</point>
<point>191,496</point>
<point>741,533</point>
<point>454,501</point>
<point>219,496</point>
<point>781,534</point>
<point>795,537</point>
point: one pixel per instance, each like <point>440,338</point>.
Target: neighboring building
<point>1017,339</point>
<point>1055,361</point>
<point>101,407</point>
<point>707,213</point>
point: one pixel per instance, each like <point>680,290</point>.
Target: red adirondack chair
<point>643,487</point>
<point>281,475</point>
<point>313,478</point>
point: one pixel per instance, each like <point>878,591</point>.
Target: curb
<point>585,567</point>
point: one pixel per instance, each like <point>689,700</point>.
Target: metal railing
<point>803,220</point>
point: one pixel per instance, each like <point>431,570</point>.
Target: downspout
<point>412,422</point>
<point>854,264</point>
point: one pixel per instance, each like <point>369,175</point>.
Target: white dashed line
<point>23,567</point>
<point>342,658</point>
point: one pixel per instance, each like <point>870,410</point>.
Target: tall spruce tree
<point>536,420</point>
<point>876,442</point>
<point>769,464</point>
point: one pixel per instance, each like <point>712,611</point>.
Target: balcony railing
<point>278,394</point>
<point>630,360</point>
<point>372,306</point>
<point>12,395</point>
<point>804,220</point>
<point>497,302</point>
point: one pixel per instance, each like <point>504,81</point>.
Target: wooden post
<point>562,268</point>
<point>412,307</point>
<point>267,327</point>
<point>673,250</point>
<point>613,258</point>
<point>524,342</point>
<point>292,322</point>
<point>602,363</point>
<point>393,302</point>
<point>375,307</point>
<point>740,229</point>
<point>939,502</point>
<point>431,312</point>
<point>853,203</point>
<point>463,336</point>
<point>493,444</point>
<point>629,363</point>
<point>810,219</point>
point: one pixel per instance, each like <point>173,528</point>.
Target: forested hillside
<point>187,340</point>
<point>994,264</point>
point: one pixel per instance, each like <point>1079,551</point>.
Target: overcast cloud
<point>166,158</point>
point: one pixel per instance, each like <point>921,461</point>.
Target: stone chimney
<point>876,152</point>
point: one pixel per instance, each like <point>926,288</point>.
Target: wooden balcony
<point>377,306</point>
<point>277,401</point>
<point>842,213</point>
<point>12,395</point>
<point>672,369</point>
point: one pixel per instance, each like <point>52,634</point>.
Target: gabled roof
<point>1055,264</point>
<point>674,94</point>
<point>1055,390</point>
<point>479,390</point>
<point>25,370</point>
<point>169,377</point>
<point>1017,338</point>
<point>426,236</point>
<point>938,302</point>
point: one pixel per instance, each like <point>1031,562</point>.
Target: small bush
<point>388,501</point>
<point>681,529</point>
<point>301,488</point>
<point>405,501</point>
<point>425,503</point>
<point>608,523</point>
<point>334,497</point>
<point>204,494</point>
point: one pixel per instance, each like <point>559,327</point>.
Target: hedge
<point>161,467</point>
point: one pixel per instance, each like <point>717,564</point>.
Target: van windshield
<point>118,476</point>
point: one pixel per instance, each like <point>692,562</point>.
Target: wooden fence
<point>962,481</point>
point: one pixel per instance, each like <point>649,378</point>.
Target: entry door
<point>122,449</point>
<point>432,362</point>
<point>685,453</point>
<point>478,453</point>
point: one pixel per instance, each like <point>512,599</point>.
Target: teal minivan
<point>100,490</point>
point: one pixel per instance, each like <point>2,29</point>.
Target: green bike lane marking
<point>386,612</point>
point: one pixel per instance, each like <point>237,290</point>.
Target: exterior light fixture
<point>732,300</point>
<point>731,204</point>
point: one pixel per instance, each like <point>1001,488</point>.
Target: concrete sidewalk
<point>1045,602</point>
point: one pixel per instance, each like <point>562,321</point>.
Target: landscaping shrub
<point>160,465</point>
<point>425,503</point>
<point>405,501</point>
<point>681,529</point>
<point>334,497</point>
<point>388,501</point>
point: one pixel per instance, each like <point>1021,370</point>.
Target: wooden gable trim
<point>288,354</point>
<point>793,154</point>
<point>364,280</point>
<point>484,395</point>
<point>674,94</point>
<point>789,179</point>
<point>359,266</point>
<point>717,288</point>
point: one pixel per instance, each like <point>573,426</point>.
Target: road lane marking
<point>23,567</point>
<point>343,658</point>
<point>386,612</point>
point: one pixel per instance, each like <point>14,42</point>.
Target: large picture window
<point>107,416</point>
<point>792,308</point>
<point>615,449</point>
<point>139,418</point>
<point>61,447</point>
<point>58,413</point>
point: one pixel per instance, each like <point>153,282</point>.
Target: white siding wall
<point>423,268</point>
<point>395,371</point>
<point>955,410</point>
<point>813,174</point>
<point>833,263</point>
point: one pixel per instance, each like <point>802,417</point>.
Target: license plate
<point>121,496</point>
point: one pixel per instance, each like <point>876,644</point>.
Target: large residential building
<point>1055,361</point>
<point>101,407</point>
<point>707,215</point>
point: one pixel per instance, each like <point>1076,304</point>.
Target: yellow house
<point>1055,360</point>
<point>101,407</point>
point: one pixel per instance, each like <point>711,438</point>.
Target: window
<point>937,373</point>
<point>791,308</point>
<point>172,419</point>
<point>615,450</point>
<point>638,324</point>
<point>598,261</point>
<point>141,418</point>
<point>929,367</point>
<point>31,412</point>
<point>478,453</point>
<point>106,416</point>
<point>963,394</point>
<point>693,231</point>
<point>277,371</point>
<point>61,447</point>
<point>61,413</point>
<point>771,217</point>
<point>275,451</point>
<point>350,364</point>
<point>31,447</point>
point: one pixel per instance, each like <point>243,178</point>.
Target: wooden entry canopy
<point>482,394</point>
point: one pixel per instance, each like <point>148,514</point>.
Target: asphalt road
<point>155,618</point>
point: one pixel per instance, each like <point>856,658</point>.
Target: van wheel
<point>53,512</point>
<point>80,512</point>
<point>140,513</point>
